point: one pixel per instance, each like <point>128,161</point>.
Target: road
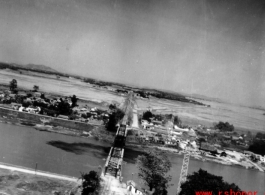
<point>127,108</point>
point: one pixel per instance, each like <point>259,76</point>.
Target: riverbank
<point>22,180</point>
<point>33,119</point>
<point>99,133</point>
<point>234,158</point>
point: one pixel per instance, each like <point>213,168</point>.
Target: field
<point>243,118</point>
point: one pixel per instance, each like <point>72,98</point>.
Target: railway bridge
<point>112,170</point>
<point>113,164</point>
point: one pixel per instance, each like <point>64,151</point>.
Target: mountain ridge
<point>35,67</point>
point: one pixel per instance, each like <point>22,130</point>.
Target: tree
<point>177,121</point>
<point>204,181</point>
<point>42,96</point>
<point>114,118</point>
<point>258,147</point>
<point>90,183</point>
<point>64,108</point>
<point>153,168</point>
<point>35,88</point>
<point>201,139</point>
<point>112,106</point>
<point>147,115</point>
<point>224,126</point>
<point>260,136</point>
<point>13,85</point>
<point>158,117</point>
<point>248,136</point>
<point>74,101</point>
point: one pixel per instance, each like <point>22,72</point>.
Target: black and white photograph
<point>132,97</point>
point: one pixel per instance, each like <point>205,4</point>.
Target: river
<point>62,154</point>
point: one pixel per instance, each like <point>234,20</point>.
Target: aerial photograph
<point>132,97</point>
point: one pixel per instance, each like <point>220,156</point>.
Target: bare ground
<point>17,183</point>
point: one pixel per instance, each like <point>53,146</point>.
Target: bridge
<point>113,164</point>
<point>113,167</point>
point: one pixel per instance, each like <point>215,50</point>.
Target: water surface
<point>62,154</point>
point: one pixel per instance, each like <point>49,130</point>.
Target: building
<point>207,147</point>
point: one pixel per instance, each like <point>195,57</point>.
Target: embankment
<point>29,118</point>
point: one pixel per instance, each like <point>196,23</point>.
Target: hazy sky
<point>209,47</point>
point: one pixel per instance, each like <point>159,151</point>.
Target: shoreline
<point>196,156</point>
<point>132,146</point>
<point>101,136</point>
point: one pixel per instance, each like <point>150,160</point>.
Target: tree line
<point>258,145</point>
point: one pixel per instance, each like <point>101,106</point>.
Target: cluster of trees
<point>142,94</point>
<point>177,121</point>
<point>95,82</point>
<point>13,85</point>
<point>99,115</point>
<point>154,166</point>
<point>90,183</point>
<point>115,116</point>
<point>164,118</point>
<point>147,116</point>
<point>260,136</point>
<point>224,126</point>
<point>122,91</point>
<point>153,170</point>
<point>204,181</point>
<point>36,88</point>
<point>170,96</point>
<point>74,101</point>
<point>258,144</point>
<point>63,107</point>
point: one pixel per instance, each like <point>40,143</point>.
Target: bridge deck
<point>113,164</point>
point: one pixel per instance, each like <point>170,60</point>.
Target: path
<point>255,164</point>
<point>39,173</point>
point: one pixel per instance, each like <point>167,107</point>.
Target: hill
<point>36,67</point>
<point>30,67</point>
